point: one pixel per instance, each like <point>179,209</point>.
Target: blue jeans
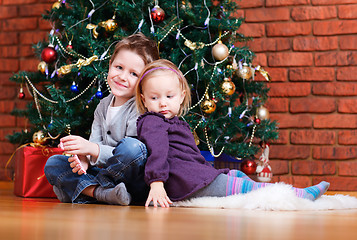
<point>126,165</point>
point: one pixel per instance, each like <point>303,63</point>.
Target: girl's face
<point>162,93</point>
<point>123,74</point>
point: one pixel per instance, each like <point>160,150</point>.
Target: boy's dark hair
<point>140,44</point>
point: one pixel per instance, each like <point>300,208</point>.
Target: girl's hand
<point>76,145</point>
<point>79,164</point>
<point>158,194</point>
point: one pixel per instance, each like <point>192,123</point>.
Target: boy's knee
<point>55,162</point>
<point>131,148</point>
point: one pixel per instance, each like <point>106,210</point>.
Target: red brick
<point>313,13</point>
<point>269,44</point>
<point>290,59</point>
<point>289,89</point>
<point>336,58</point>
<point>7,148</point>
<point>288,29</point>
<point>347,105</point>
<point>296,181</point>
<point>347,168</point>
<point>6,132</point>
<point>44,24</point>
<point>8,38</point>
<point>8,12</point>
<point>347,11</point>
<point>334,153</point>
<point>347,137</point>
<point>262,15</point>
<point>277,104</point>
<point>32,37</point>
<point>4,79</point>
<point>338,183</point>
<point>238,14</point>
<point>250,4</point>
<point>26,51</point>
<point>9,51</point>
<point>312,74</point>
<point>277,3</point>
<point>347,74</point>
<point>252,30</point>
<point>289,152</point>
<point>279,167</point>
<point>18,2</point>
<point>29,64</point>
<point>6,106</point>
<point>283,137</point>
<point>335,121</point>
<point>276,75</point>
<point>335,27</point>
<point>7,121</point>
<point>315,43</point>
<point>348,43</point>
<point>332,2</point>
<point>312,137</point>
<point>9,65</point>
<point>335,89</point>
<point>312,105</point>
<point>34,9</point>
<point>292,121</point>
<point>313,167</point>
<point>7,93</point>
<point>19,24</point>
<point>260,59</point>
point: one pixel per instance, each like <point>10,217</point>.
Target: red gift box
<point>30,179</point>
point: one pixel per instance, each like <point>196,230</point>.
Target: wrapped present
<point>30,180</point>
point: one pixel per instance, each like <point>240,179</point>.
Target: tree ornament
<point>197,139</point>
<point>262,113</point>
<point>264,173</point>
<point>99,94</point>
<point>57,5</point>
<point>208,105</point>
<point>42,66</point>
<point>74,88</point>
<point>157,14</point>
<point>257,120</point>
<point>39,137</point>
<point>69,46</point>
<point>248,166</point>
<point>245,71</point>
<point>49,54</point>
<point>228,86</point>
<point>220,51</point>
<point>21,93</point>
<point>110,25</point>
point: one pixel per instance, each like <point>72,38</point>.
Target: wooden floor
<point>25,218</point>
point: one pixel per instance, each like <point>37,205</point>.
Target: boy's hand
<point>79,164</point>
<point>158,194</point>
<point>76,145</point>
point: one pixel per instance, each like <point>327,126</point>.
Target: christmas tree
<point>199,36</point>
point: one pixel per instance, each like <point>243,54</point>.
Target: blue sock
<point>313,192</point>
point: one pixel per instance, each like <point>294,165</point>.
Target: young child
<point>175,168</point>
<point>113,159</point>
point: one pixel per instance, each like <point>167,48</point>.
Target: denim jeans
<point>126,165</point>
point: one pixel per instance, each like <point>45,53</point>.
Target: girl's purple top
<point>173,156</point>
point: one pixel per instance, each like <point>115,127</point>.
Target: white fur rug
<point>276,197</point>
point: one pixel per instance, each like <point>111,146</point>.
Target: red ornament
<point>21,95</point>
<point>248,166</point>
<point>257,120</point>
<point>157,14</point>
<point>49,54</point>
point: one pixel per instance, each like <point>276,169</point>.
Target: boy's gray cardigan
<point>108,136</point>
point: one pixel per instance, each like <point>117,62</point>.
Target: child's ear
<point>183,94</point>
<point>143,99</point>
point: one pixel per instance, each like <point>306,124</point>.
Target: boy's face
<point>163,94</point>
<point>123,74</point>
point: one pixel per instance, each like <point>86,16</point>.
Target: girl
<point>175,169</point>
<point>112,159</point>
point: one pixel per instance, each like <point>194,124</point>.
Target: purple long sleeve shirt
<point>173,156</point>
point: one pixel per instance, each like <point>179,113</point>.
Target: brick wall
<point>309,48</point>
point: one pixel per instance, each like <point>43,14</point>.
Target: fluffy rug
<point>276,197</point>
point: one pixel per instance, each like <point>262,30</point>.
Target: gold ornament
<point>197,139</point>
<point>228,86</point>
<point>109,25</point>
<point>56,5</point>
<point>264,73</point>
<point>262,113</point>
<point>245,72</point>
<point>220,51</point>
<point>42,66</point>
<point>79,64</point>
<point>39,137</point>
<point>208,105</point>
<point>193,45</point>
<point>94,28</point>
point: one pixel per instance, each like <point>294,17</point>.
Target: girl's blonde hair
<point>162,65</point>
